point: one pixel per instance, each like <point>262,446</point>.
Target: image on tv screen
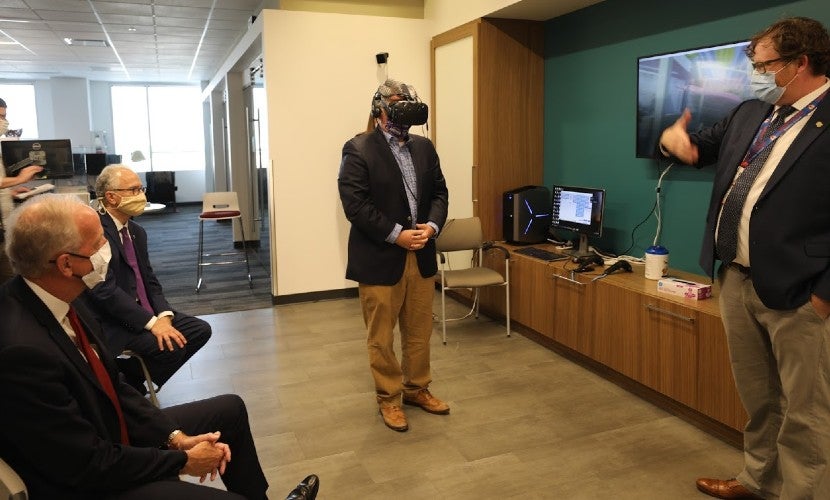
<point>710,82</point>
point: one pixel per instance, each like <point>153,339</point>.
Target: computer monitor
<point>578,209</point>
<point>95,162</point>
<point>54,155</point>
<point>113,159</point>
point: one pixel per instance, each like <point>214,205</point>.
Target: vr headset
<point>408,112</point>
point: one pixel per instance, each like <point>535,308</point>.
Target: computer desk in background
<point>668,350</point>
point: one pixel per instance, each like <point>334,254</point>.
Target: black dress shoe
<point>306,490</point>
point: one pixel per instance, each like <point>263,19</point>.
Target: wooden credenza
<point>667,349</point>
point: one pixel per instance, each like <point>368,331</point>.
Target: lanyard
<point>761,142</point>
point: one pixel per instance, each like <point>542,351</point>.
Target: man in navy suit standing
<point>394,194</point>
<point>769,225</point>
<point>130,303</point>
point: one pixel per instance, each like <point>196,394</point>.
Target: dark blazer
<point>114,299</point>
<point>58,429</point>
<point>374,199</point>
<point>789,231</point>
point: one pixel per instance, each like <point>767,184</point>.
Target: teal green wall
<point>590,106</point>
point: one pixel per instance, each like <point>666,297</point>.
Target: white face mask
<point>100,264</point>
<point>4,126</point>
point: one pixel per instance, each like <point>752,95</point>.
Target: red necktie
<point>129,252</point>
<point>100,372</point>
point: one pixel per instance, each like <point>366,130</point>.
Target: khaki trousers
<point>781,364</point>
<point>409,303</point>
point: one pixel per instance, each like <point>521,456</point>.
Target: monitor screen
<point>708,81</point>
<point>54,155</point>
<point>95,162</point>
<point>578,209</point>
<point>113,159</point>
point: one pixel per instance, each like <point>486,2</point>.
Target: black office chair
<point>161,188</point>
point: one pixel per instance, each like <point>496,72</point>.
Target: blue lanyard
<point>759,143</point>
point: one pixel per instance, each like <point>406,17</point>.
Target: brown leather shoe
<point>394,418</point>
<point>720,488</point>
<point>427,402</point>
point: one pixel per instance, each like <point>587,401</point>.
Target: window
<point>164,123</point>
<point>21,110</point>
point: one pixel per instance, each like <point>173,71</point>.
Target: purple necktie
<point>129,252</point>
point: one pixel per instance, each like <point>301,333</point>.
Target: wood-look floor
<point>525,422</point>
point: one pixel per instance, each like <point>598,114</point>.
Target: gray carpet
<point>173,241</point>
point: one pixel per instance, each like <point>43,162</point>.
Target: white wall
<point>319,91</point>
<point>444,15</point>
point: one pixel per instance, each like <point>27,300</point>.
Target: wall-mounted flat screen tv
<point>710,81</point>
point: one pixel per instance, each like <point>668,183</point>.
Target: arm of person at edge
<point>676,142</point>
<point>25,175</point>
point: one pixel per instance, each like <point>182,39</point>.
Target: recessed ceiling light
<point>85,43</point>
<point>131,29</point>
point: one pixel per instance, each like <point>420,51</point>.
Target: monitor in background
<point>113,159</point>
<point>54,155</point>
<point>710,81</point>
<point>95,162</point>
<point>578,209</point>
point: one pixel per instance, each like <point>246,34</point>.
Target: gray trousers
<point>781,364</point>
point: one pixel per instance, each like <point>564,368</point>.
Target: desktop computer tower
<point>526,213</point>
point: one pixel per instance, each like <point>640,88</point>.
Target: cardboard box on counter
<point>683,288</point>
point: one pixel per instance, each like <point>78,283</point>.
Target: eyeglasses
<point>52,261</point>
<point>761,66</point>
<point>133,191</point>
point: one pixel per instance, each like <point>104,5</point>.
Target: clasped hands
<point>205,454</point>
<point>415,239</point>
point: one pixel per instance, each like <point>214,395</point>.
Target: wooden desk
<point>668,349</point>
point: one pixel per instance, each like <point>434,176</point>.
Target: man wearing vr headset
<point>394,194</point>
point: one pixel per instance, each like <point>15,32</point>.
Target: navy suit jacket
<point>114,300</point>
<point>58,429</point>
<point>374,199</point>
<point>789,231</point>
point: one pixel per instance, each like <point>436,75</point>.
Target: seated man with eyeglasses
<point>130,303</point>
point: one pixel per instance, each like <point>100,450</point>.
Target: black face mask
<point>408,113</point>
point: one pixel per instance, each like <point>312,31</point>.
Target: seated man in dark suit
<point>70,426</point>
<point>130,303</point>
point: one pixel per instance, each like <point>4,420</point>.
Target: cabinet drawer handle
<point>656,309</point>
<point>557,276</point>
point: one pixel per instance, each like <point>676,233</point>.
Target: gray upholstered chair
<point>466,235</point>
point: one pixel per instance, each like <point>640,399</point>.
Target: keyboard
<point>34,191</point>
<point>539,253</point>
